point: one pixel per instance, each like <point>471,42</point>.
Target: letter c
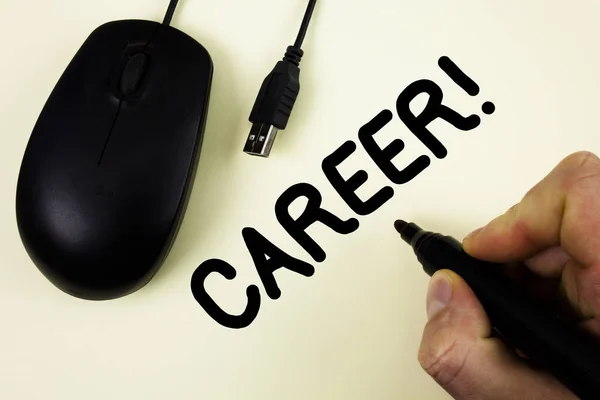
<point>226,270</point>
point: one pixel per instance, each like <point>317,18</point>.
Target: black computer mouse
<point>108,169</point>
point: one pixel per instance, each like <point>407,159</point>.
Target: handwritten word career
<point>268,258</point>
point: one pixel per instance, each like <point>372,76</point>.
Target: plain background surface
<point>353,329</point>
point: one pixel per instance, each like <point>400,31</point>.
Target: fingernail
<point>438,294</point>
<point>472,234</point>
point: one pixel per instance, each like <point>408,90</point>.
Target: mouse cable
<point>277,96</point>
<point>170,12</point>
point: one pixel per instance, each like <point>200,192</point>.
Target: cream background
<point>352,330</point>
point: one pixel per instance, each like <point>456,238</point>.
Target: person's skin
<point>555,229</point>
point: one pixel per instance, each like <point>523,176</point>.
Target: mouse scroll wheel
<point>133,73</point>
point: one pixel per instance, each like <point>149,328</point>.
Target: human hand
<point>555,229</point>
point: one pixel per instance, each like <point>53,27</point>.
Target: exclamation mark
<point>466,83</point>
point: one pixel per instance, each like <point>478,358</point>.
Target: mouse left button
<point>133,73</point>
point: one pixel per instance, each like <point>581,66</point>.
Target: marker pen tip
<point>400,225</point>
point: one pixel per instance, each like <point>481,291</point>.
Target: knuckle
<point>584,171</point>
<point>445,362</point>
<point>583,158</point>
<point>580,158</point>
<point>519,219</point>
<point>582,166</point>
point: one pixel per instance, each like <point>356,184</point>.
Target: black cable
<point>305,23</point>
<point>277,96</point>
<point>170,12</point>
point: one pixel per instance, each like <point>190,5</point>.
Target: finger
<point>562,209</point>
<point>549,263</point>
<point>581,287</point>
<point>457,351</point>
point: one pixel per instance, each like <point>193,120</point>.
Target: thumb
<point>459,354</point>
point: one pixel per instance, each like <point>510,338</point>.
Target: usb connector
<point>274,104</point>
<point>261,139</point>
<point>277,96</point>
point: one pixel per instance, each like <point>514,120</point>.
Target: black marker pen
<point>565,351</point>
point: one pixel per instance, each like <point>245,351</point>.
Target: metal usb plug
<point>260,140</point>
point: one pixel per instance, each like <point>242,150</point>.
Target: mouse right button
<point>133,73</point>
